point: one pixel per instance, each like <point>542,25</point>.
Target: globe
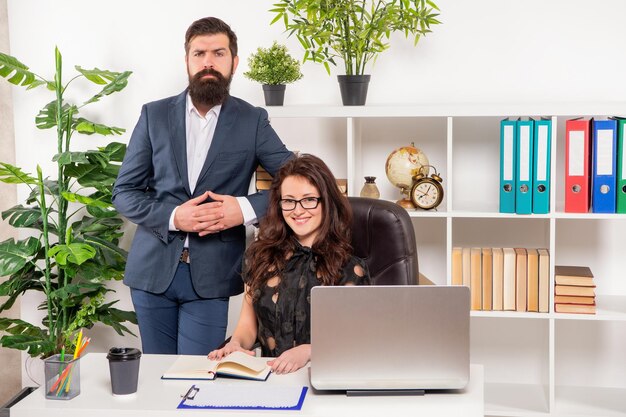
<point>402,165</point>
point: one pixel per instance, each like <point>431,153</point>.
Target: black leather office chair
<point>382,235</point>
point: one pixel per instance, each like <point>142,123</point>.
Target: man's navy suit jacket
<point>153,181</point>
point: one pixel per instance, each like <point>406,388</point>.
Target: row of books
<point>514,279</point>
<point>595,172</point>
<point>574,290</point>
<point>525,166</point>
<point>263,181</point>
<point>595,176</point>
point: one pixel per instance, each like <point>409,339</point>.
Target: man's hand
<point>222,214</point>
<point>186,216</point>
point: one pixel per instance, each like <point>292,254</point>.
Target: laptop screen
<point>389,337</point>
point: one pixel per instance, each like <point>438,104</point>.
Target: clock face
<point>427,193</point>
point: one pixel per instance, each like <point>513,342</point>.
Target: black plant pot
<point>274,94</point>
<point>353,89</point>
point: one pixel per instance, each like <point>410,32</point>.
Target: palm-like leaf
<point>27,279</point>
<point>20,216</point>
<point>90,175</point>
<point>75,253</point>
<point>25,336</point>
<point>101,212</point>
<point>116,84</point>
<point>115,151</point>
<point>97,75</point>
<point>51,187</point>
<point>15,72</point>
<point>96,272</point>
<point>72,294</point>
<point>89,128</point>
<point>107,249</point>
<point>14,255</point>
<point>13,175</point>
<point>47,117</point>
<point>66,158</point>
<point>77,198</point>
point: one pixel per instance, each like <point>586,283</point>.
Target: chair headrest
<point>382,235</point>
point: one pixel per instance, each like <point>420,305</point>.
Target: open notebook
<point>235,365</point>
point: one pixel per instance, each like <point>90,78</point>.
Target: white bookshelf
<point>535,364</point>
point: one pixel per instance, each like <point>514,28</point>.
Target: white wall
<point>485,51</point>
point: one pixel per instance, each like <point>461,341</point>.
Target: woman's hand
<point>291,360</point>
<point>228,348</point>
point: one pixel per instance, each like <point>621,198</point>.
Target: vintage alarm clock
<point>427,192</point>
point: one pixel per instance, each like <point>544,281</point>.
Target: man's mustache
<point>208,71</point>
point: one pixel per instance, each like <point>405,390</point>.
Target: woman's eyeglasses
<point>307,203</point>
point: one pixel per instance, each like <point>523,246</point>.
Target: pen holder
<point>62,378</point>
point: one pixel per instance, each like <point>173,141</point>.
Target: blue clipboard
<point>246,397</point>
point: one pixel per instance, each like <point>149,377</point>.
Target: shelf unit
<point>546,364</point>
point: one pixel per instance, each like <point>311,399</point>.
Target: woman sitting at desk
<point>304,241</point>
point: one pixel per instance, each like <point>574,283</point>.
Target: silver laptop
<point>389,337</point>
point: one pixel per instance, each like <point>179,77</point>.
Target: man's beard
<point>210,91</point>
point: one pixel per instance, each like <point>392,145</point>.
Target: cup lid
<point>123,354</point>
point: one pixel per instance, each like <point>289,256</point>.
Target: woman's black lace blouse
<point>283,306</point>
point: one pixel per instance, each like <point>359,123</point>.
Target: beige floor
<point>10,373</point>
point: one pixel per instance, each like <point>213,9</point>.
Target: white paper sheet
<point>244,396</point>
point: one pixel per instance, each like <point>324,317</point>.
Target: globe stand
<point>406,202</point>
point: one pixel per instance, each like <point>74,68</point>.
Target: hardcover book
<point>575,308</point>
<point>572,299</point>
<point>573,275</point>
<point>532,280</point>
<point>235,365</point>
<point>574,290</point>
<point>457,266</point>
<point>498,278</point>
<point>544,280</point>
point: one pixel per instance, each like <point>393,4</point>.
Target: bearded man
<point>184,183</point>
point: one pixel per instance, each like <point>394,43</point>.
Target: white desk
<point>156,397</point>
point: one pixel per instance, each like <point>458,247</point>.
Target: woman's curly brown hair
<point>267,256</point>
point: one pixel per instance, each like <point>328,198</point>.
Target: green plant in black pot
<point>273,67</point>
<point>72,248</point>
<point>355,31</point>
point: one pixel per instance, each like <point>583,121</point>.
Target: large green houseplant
<point>355,31</point>
<point>72,248</point>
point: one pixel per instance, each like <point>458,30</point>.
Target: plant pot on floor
<point>353,89</point>
<point>274,94</point>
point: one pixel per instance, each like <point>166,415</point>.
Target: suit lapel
<point>178,135</point>
<point>225,122</point>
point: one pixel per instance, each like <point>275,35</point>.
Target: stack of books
<point>574,290</point>
<point>263,180</point>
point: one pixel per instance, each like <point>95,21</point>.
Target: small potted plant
<point>273,67</point>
